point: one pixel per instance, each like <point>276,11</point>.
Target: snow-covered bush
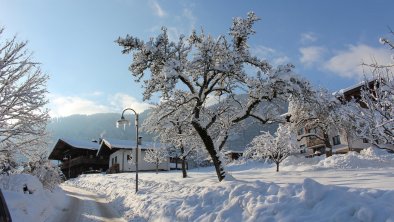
<point>276,148</point>
<point>48,173</point>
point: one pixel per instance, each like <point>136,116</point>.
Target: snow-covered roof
<point>353,87</point>
<point>82,144</point>
<point>112,145</point>
<point>67,145</point>
<point>130,144</point>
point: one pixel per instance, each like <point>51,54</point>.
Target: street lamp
<point>68,157</point>
<point>123,122</point>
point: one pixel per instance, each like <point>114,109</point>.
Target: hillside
<point>92,127</point>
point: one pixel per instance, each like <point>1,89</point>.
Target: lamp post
<point>68,157</point>
<point>124,122</point>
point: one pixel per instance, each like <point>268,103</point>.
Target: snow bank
<point>175,200</point>
<point>37,206</point>
<point>300,162</point>
<point>247,164</point>
<point>368,158</point>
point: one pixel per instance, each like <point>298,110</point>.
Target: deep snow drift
<point>249,197</point>
<point>38,206</point>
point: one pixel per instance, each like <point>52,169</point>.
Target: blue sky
<point>74,41</point>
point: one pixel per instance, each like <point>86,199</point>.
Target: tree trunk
<point>176,162</point>
<point>184,173</point>
<point>328,145</point>
<point>157,166</point>
<point>277,167</point>
<point>210,147</point>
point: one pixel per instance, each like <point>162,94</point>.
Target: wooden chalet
<point>78,157</point>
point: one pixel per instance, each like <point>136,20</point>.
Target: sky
<point>74,41</point>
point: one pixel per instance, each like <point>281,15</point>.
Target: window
<point>365,140</point>
<point>116,160</point>
<point>313,130</point>
<point>112,161</point>
<point>336,140</point>
<point>129,158</point>
<point>302,148</point>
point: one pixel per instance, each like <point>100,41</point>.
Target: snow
<point>347,187</point>
<point>38,206</point>
<point>82,144</point>
<point>368,158</point>
<point>350,187</point>
<point>129,144</point>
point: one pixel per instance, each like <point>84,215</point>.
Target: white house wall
<point>125,166</point>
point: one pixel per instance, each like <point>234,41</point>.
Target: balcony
<point>84,160</point>
<point>314,141</point>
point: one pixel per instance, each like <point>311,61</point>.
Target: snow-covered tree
<point>276,148</point>
<point>321,111</point>
<point>174,130</point>
<point>189,72</point>
<point>373,111</point>
<point>49,174</point>
<point>23,116</point>
<point>156,156</point>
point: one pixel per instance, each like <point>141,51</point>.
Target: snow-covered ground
<point>352,187</point>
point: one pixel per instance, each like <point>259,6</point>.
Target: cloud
<point>69,105</point>
<point>157,9</point>
<point>281,60</point>
<point>188,13</point>
<point>180,22</point>
<point>308,37</point>
<point>347,63</point>
<point>273,56</point>
<point>311,55</point>
<point>122,101</point>
<point>97,93</point>
<point>61,106</point>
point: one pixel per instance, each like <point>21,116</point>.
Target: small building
<point>122,155</point>
<point>78,157</point>
<point>233,154</point>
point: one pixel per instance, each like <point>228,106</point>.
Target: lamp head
<point>122,122</point>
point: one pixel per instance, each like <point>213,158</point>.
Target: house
<point>122,155</point>
<point>342,141</point>
<point>78,157</point>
